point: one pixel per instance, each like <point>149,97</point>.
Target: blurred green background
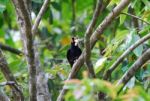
<point>68,18</point>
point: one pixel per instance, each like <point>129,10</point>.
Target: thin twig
<point>134,20</point>
<point>10,49</point>
<point>7,83</point>
<point>120,59</point>
<point>130,73</point>
<point>43,93</point>
<point>135,17</point>
<point>39,16</point>
<point>73,4</point>
<point>9,77</point>
<point>4,97</point>
<point>88,34</point>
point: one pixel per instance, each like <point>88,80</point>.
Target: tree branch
<point>88,34</point>
<point>129,74</point>
<point>10,49</point>
<point>42,87</point>
<point>42,81</point>
<point>9,77</point>
<point>73,21</point>
<point>134,20</point>
<point>27,38</point>
<point>136,17</point>
<point>36,90</point>
<point>100,29</point>
<point>96,34</point>
<point>39,16</point>
<point>120,59</point>
<point>7,83</point>
<point>3,97</point>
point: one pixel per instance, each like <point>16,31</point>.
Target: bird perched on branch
<point>73,52</point>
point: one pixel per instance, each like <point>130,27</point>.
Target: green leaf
<point>105,87</point>
<point>145,30</point>
<point>139,74</point>
<point>147,4</point>
<point>1,23</point>
<point>132,38</point>
<point>133,3</point>
<point>4,1</point>
<point>113,2</point>
<point>123,16</point>
<point>99,64</point>
<point>124,66</point>
<point>138,51</point>
<point>56,5</point>
<point>131,83</point>
<point>121,35</point>
<point>9,40</point>
<point>38,1</point>
<point>2,8</point>
<point>50,16</point>
<point>137,5</point>
<point>2,33</point>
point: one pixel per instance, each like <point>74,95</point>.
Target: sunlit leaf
<point>122,16</point>
<point>146,14</point>
<point>133,3</point>
<point>113,2</point>
<point>99,64</point>
<point>121,35</point>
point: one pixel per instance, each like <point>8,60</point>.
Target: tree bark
<point>24,19</point>
<point>17,93</point>
<point>3,97</point>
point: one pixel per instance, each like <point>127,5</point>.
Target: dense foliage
<point>58,25</point>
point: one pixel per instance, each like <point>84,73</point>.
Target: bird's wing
<point>79,52</point>
<point>69,57</point>
<point>68,54</point>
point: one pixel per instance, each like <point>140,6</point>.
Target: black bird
<point>73,52</point>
